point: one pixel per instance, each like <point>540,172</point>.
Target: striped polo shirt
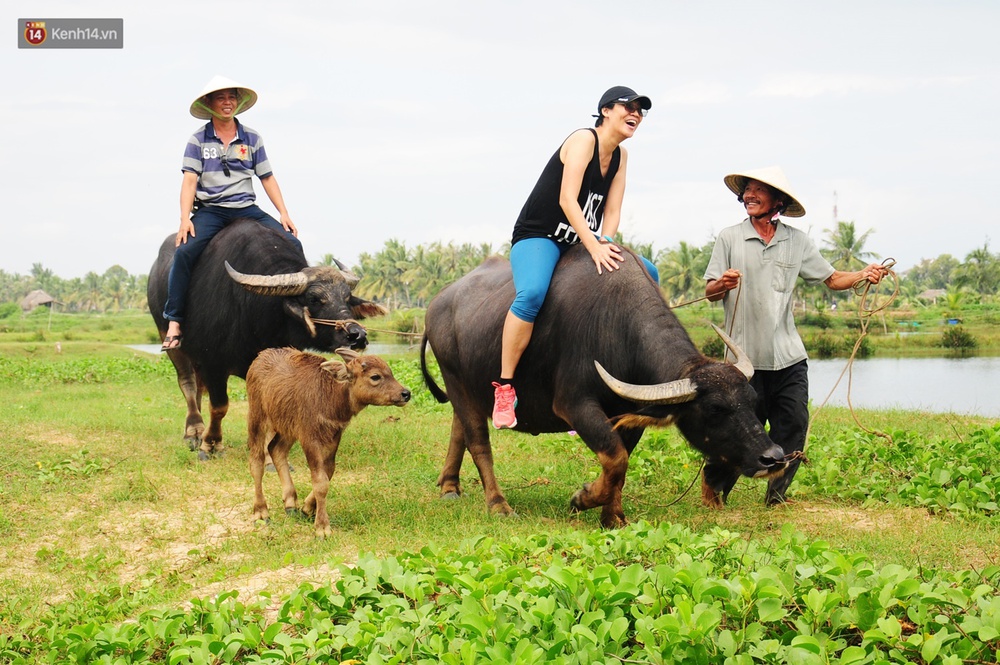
<point>245,156</point>
<point>764,327</point>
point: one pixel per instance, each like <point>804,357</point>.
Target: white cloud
<point>812,84</point>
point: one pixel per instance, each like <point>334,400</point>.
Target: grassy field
<point>106,515</point>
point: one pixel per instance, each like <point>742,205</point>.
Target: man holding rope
<point>764,257</point>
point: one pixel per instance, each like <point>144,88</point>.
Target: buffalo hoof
<point>194,443</point>
<point>323,531</point>
<point>204,457</point>
<point>451,496</point>
<point>503,509</point>
<point>577,503</point>
<point>711,497</point>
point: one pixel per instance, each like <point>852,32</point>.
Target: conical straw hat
<point>247,97</point>
<point>773,176</point>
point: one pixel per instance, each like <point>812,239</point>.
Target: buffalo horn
<point>742,360</point>
<point>288,284</point>
<point>673,392</point>
<point>350,277</point>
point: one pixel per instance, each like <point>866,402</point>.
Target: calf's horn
<point>347,354</point>
<point>288,284</point>
<point>673,392</point>
<point>742,360</point>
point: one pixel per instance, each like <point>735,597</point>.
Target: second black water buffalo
<point>251,290</point>
<point>607,358</point>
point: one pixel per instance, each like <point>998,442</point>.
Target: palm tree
<point>43,277</point>
<point>93,286</point>
<point>681,270</point>
<point>980,271</point>
<point>115,281</point>
<point>844,249</point>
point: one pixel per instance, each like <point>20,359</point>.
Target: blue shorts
<point>532,261</point>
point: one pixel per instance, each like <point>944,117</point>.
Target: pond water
<point>375,348</point>
<point>941,385</point>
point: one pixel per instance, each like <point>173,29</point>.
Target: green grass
<point>109,523</point>
<point>43,327</point>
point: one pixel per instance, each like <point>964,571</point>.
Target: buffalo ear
<point>295,309</point>
<point>365,309</point>
<point>338,369</point>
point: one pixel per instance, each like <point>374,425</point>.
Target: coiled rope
<point>866,310</point>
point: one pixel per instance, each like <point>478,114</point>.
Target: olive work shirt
<point>764,326</point>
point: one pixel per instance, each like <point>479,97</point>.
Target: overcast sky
<point>430,121</point>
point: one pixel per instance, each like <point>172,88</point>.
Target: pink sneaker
<point>504,403</point>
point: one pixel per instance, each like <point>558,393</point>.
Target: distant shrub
<point>816,319</point>
<point>826,345</point>
<point>957,338</point>
<point>8,310</point>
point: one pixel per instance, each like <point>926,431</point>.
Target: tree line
<point>113,291</point>
<point>402,277</point>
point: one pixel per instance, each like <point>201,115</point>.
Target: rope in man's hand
<point>863,289</point>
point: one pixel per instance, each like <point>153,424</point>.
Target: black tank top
<point>541,216</point>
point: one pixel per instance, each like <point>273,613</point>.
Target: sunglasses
<point>635,107</point>
<point>225,165</point>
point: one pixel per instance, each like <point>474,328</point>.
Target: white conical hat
<point>247,97</point>
<point>773,176</point>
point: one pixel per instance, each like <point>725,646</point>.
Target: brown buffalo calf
<point>295,396</point>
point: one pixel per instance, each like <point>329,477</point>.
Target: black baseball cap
<point>622,95</point>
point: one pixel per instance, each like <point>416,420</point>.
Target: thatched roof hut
<point>36,298</point>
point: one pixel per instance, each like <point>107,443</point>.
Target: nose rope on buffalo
<point>338,324</point>
<point>342,324</point>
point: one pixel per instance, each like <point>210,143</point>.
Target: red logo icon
<point>34,32</point>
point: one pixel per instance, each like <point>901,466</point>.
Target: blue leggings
<point>533,260</point>
<point>208,220</point>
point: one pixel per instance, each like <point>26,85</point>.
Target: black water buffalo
<point>250,290</point>
<point>607,358</point>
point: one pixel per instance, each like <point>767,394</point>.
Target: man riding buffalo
<point>220,161</point>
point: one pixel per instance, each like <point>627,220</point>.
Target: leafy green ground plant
<point>958,475</point>
<point>649,594</point>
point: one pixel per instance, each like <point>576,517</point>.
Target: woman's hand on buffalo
<point>606,255</point>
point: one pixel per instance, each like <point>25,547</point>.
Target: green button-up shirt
<point>764,327</point>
